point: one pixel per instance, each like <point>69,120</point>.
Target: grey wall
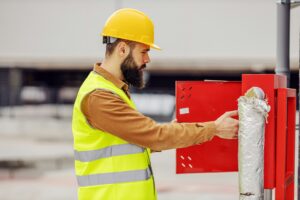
<point>192,31</point>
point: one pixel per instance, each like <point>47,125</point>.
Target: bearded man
<point>112,140</point>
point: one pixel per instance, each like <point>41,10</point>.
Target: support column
<point>283,39</point>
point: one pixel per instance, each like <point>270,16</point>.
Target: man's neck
<point>113,68</point>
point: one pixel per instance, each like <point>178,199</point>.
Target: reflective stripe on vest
<point>115,150</point>
<point>115,177</point>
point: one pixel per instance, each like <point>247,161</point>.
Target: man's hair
<point>110,47</point>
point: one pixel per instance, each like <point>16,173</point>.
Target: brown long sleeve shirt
<point>108,112</point>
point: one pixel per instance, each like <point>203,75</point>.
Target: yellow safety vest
<point>108,167</point>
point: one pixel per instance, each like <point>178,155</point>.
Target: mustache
<point>143,66</point>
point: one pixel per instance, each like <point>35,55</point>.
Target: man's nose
<point>147,59</point>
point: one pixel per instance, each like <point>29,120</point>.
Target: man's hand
<point>227,127</point>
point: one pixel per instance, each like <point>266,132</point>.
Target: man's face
<point>134,64</point>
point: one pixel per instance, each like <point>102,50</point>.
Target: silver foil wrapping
<point>253,111</point>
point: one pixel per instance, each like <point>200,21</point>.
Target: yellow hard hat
<point>130,24</point>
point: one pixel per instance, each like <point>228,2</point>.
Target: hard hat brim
<point>154,46</point>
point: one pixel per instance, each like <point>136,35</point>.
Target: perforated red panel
<point>200,101</point>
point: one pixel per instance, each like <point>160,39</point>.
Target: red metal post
<point>291,137</point>
<point>285,143</point>
<point>281,143</point>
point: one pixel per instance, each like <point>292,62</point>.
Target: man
<point>112,140</point>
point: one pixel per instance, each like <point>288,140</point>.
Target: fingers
<point>232,120</point>
<point>227,126</point>
<point>235,122</point>
<point>228,136</point>
<point>229,130</point>
<point>232,113</point>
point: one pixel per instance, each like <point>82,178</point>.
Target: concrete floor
<point>48,172</point>
<point>60,184</point>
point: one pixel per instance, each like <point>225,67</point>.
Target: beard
<point>132,73</point>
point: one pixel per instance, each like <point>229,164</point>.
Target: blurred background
<point>47,48</point>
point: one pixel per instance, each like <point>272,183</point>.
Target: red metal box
<point>200,101</point>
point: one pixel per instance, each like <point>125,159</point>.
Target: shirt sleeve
<point>108,112</point>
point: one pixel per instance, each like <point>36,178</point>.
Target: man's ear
<point>123,49</point>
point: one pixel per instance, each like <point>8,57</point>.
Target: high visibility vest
<point>108,167</point>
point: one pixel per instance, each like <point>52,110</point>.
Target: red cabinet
<point>200,101</point>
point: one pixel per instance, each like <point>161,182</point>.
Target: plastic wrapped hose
<point>253,111</point>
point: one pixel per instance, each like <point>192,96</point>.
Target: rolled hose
<point>253,112</point>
